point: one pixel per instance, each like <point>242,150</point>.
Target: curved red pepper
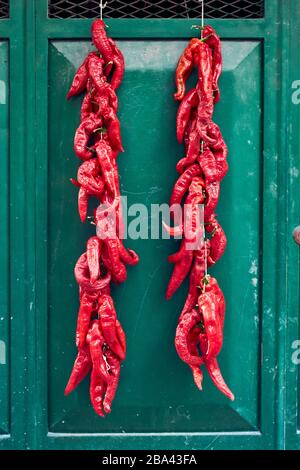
<point>183,182</point>
<point>207,303</point>
<point>82,276</point>
<point>193,339</point>
<point>190,101</point>
<point>89,177</point>
<point>180,271</point>
<point>185,66</point>
<point>97,391</point>
<point>93,252</point>
<point>218,241</point>
<point>108,317</point>
<point>105,158</point>
<point>213,41</point>
<point>87,306</point>
<point>83,135</point>
<point>81,368</point>
<point>213,169</point>
<point>119,65</point>
<point>112,386</point>
<point>101,41</point>
<point>96,342</point>
<point>186,324</point>
<point>79,81</point>
<point>213,369</point>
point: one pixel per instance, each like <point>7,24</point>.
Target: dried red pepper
<point>199,335</point>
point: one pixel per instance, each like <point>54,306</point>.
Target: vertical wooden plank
<point>31,129</point>
<point>19,311</point>
<point>291,102</point>
<point>41,223</point>
<point>5,388</point>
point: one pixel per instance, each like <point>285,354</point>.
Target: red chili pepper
<point>210,284</point>
<point>212,324</point>
<point>96,342</point>
<point>190,101</point>
<point>186,324</point>
<point>83,135</point>
<point>112,386</point>
<point>105,157</point>
<point>83,201</point>
<point>126,255</point>
<point>183,182</point>
<point>192,340</point>
<point>82,276</point>
<point>108,317</point>
<point>97,391</point>
<point>180,271</point>
<point>218,241</point>
<point>213,193</point>
<point>217,378</point>
<point>214,370</point>
<point>81,368</point>
<point>204,85</point>
<point>192,149</point>
<point>87,306</point>
<point>93,251</point>
<point>185,67</point>
<point>80,80</point>
<point>118,268</point>
<point>119,65</point>
<point>192,145</point>
<point>86,107</point>
<point>112,125</point>
<point>197,273</point>
<point>96,74</point>
<point>175,257</point>
<point>213,41</point>
<point>213,169</point>
<point>101,40</point>
<point>89,178</point>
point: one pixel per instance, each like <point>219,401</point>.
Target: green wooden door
<point>157,405</point>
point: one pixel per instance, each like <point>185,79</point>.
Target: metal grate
<point>156,9</point>
<point>4,9</point>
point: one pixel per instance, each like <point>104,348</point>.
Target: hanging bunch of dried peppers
<point>199,334</point>
<point>100,339</point>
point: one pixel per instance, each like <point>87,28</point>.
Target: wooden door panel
<point>156,392</point>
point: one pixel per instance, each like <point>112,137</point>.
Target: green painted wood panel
<point>291,78</point>
<point>4,243</point>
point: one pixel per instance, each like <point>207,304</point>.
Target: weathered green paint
<point>157,405</point>
<point>4,251</point>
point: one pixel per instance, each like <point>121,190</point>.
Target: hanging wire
<point>101,7</point>
<point>202,20</point>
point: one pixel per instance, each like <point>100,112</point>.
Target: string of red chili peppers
<point>100,339</point>
<point>199,335</point>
